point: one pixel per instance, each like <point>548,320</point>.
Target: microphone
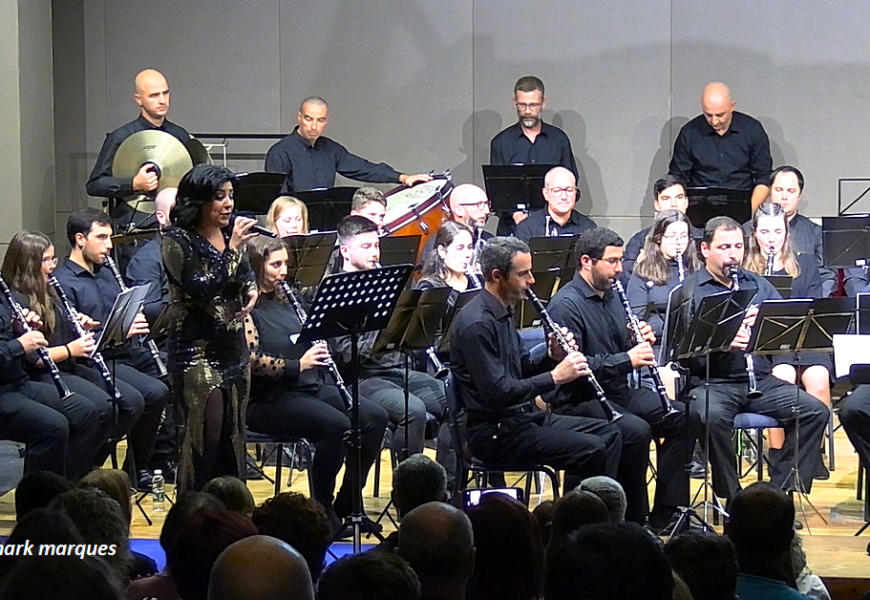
<point>255,228</point>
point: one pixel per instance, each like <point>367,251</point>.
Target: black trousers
<point>855,417</point>
<point>322,419</point>
<point>580,446</point>
<point>779,400</point>
<point>56,431</point>
<point>143,398</point>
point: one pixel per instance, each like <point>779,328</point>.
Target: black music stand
<point>327,207</point>
<point>846,241</point>
<point>863,313</point>
<point>459,302</point>
<point>399,249</point>
<point>124,310</point>
<point>351,304</point>
<point>708,202</point>
<point>710,329</point>
<point>553,265</point>
<point>781,283</point>
<point>515,187</point>
<point>308,257</point>
<point>255,192</point>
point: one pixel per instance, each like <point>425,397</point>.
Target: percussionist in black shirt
<point>590,309</point>
<point>152,96</point>
<point>530,141</point>
<point>723,250</point>
<point>559,216</point>
<point>497,381</point>
<point>310,161</point>
<point>723,148</point>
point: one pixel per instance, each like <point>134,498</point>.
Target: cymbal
<point>198,153</point>
<point>157,147</point>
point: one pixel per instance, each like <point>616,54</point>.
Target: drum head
<point>405,205</point>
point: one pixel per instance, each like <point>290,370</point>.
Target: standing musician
<point>29,262</point>
<point>449,265</point>
<point>287,216</point>
<point>497,380</point>
<point>152,95</point>
<point>56,431</point>
<point>382,379</point>
<point>590,310</point>
<point>289,395</point>
<point>558,217</point>
<point>92,289</point>
<point>771,252</point>
<point>212,288</point>
<point>310,161</point>
<point>723,251</point>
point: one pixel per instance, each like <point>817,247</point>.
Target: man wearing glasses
<point>469,206</point>
<point>594,314</point>
<point>669,192</point>
<point>530,141</point>
<point>558,217</point>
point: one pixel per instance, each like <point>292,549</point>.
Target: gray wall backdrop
<point>425,85</point>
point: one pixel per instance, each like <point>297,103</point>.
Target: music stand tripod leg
<point>793,482</point>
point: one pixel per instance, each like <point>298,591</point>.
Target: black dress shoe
<point>144,480</point>
<point>821,473</point>
<point>366,526</point>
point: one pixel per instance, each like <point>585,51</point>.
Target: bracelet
<point>68,352</point>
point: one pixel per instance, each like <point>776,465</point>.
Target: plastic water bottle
<point>158,493</point>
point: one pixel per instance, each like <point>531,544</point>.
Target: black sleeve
<point>760,162</point>
<point>681,161</point>
<point>632,251</point>
<point>354,167</point>
<point>101,182</point>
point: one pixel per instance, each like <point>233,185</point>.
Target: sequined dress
<point>207,349</point>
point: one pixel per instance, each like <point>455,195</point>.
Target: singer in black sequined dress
<point>211,288</point>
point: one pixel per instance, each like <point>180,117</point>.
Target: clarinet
<point>150,345</point>
<point>754,392</point>
<point>634,323</point>
<point>548,323</point>
<point>681,267</point>
<point>330,364</point>
<point>771,260</point>
<point>73,317</point>
<point>18,313</point>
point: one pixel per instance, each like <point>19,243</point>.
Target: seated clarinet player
<point>289,393</point>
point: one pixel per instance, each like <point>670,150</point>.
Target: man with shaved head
<point>723,148</point>
<point>468,206</point>
<point>310,160</point>
<point>558,217</point>
<point>151,94</point>
<point>260,568</point>
<point>437,540</point>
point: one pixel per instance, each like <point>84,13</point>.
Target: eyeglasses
<point>50,260</point>
<point>480,205</point>
<point>674,238</point>
<point>528,105</point>
<point>610,261</point>
<point>563,190</point>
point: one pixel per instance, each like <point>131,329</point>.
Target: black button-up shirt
<point>493,372</point>
<point>730,365</point>
<point>635,245</point>
<point>551,147</point>
<point>738,160</point>
<point>90,293</point>
<point>599,327</point>
<point>146,266</point>
<point>101,182</point>
<point>535,225</point>
<point>12,374</point>
<point>310,167</point>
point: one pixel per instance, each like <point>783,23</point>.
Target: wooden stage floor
<point>832,550</point>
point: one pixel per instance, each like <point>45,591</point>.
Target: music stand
<point>846,241</point>
<point>708,202</point>
<point>781,283</point>
<point>308,257</point>
<point>399,249</point>
<point>710,329</point>
<point>351,304</point>
<point>121,317</point>
<point>327,207</point>
<point>515,187</point>
<point>863,313</point>
<point>552,266</point>
<point>459,302</point>
<point>255,192</point>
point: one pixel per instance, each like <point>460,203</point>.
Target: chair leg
<point>759,453</point>
<point>308,450</point>
<point>831,453</point>
<point>279,459</point>
<point>859,488</point>
<point>377,490</point>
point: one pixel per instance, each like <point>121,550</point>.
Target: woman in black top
<point>657,271</point>
<point>769,237</point>
<point>289,394</point>
<point>449,263</point>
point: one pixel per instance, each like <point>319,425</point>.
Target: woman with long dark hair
<point>770,244</point>
<point>211,289</point>
<point>30,260</point>
<point>658,270</point>
<point>290,394</point>
<point>450,260</point>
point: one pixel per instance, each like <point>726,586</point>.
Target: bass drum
<point>418,210</point>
